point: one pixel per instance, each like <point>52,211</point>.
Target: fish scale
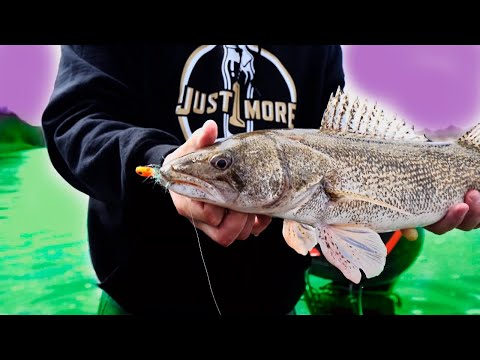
<point>360,174</point>
<point>417,178</point>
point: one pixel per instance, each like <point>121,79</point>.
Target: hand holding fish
<point>222,225</point>
<point>464,216</point>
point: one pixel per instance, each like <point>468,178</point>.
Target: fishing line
<point>204,264</point>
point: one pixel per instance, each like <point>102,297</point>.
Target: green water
<point>45,267</point>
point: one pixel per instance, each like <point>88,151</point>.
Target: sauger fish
<point>360,174</point>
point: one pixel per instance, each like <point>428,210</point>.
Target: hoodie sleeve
<point>91,122</point>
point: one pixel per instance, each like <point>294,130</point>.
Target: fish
<point>360,174</point>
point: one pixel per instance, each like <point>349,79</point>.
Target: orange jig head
<point>145,171</point>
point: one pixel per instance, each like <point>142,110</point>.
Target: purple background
<point>27,75</point>
<point>429,86</point>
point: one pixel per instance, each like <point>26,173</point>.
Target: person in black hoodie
<point>117,107</point>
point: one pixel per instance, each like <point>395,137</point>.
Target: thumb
<point>203,137</point>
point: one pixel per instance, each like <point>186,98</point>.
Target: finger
<point>410,234</point>
<point>208,135</point>
<point>212,214</point>
<point>207,213</point>
<point>204,136</point>
<point>226,233</point>
<point>472,218</point>
<point>451,220</point>
<point>210,231</point>
<point>247,229</point>
<point>261,223</point>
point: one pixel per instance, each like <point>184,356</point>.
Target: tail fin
<point>471,139</point>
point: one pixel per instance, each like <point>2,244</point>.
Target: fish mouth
<point>188,185</point>
<point>195,188</point>
<point>185,182</point>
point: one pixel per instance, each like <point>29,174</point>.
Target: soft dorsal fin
<point>471,138</point>
<point>359,119</point>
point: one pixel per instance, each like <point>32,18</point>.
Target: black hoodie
<point>117,107</point>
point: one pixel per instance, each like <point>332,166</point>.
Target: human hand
<point>221,225</point>
<point>464,216</point>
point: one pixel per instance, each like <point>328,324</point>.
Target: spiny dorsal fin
<point>359,119</point>
<point>471,138</point>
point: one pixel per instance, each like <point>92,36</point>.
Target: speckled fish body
<point>339,186</point>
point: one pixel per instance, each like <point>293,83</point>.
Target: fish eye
<point>221,162</point>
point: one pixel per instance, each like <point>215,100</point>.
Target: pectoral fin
<point>300,237</point>
<point>351,248</point>
<point>347,247</point>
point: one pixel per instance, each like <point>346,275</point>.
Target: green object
<point>335,299</point>
<point>45,267</point>
<point>16,134</point>
<point>373,296</point>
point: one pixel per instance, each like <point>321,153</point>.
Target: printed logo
<point>243,87</point>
